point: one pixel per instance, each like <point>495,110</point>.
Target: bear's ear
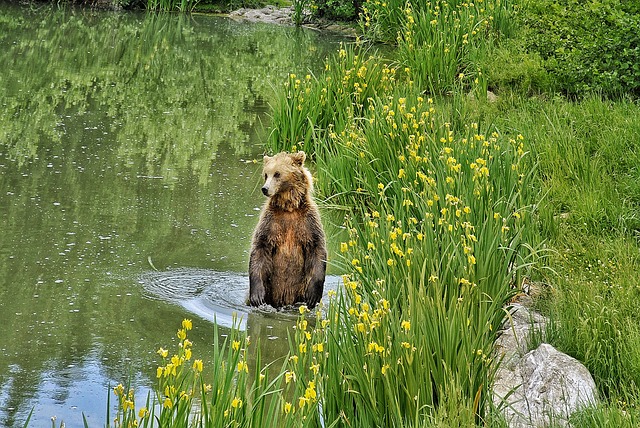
<point>298,158</point>
<point>266,159</point>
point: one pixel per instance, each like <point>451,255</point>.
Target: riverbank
<point>269,14</point>
<point>284,16</point>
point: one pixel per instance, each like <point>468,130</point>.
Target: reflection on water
<point>211,295</point>
<point>126,138</point>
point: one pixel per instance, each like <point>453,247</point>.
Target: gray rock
<point>267,14</point>
<point>515,336</point>
<point>284,16</point>
<point>541,387</point>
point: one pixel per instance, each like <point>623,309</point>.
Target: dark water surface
<point>128,194</point>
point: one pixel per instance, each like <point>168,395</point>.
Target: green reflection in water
<point>123,138</point>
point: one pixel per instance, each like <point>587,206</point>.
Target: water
<point>128,194</point>
<point>205,292</point>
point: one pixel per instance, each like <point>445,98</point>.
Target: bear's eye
<point>265,176</point>
<point>276,175</point>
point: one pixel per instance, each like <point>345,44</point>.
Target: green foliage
<point>227,394</point>
<point>196,5</point>
<point>299,11</point>
<point>509,68</point>
<point>436,216</point>
<point>594,317</point>
<point>170,5</point>
<point>310,107</point>
<point>231,5</point>
<point>438,42</point>
<point>588,46</point>
<point>603,416</point>
<point>588,153</point>
<point>341,10</point>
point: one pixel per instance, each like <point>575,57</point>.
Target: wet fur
<point>288,253</point>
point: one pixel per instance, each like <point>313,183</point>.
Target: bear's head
<point>286,177</point>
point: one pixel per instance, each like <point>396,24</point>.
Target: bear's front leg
<point>258,273</point>
<point>256,292</point>
<point>317,268</point>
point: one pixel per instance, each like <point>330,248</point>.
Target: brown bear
<point>288,253</point>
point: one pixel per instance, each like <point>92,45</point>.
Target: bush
<point>342,10</point>
<point>510,68</point>
<point>588,46</point>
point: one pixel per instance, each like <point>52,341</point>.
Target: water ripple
<point>211,294</point>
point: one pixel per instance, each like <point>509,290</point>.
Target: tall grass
<point>588,155</point>
<point>311,107</point>
<point>299,10</point>
<point>436,220</point>
<point>439,42</point>
<point>188,393</point>
<point>382,20</point>
<point>171,5</point>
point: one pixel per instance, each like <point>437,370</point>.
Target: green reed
<point>437,216</point>
<point>310,107</point>
<point>438,42</point>
<point>299,7</point>
<point>188,393</point>
<point>171,5</point>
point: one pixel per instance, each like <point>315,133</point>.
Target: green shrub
<point>510,68</point>
<point>587,45</point>
<point>342,10</point>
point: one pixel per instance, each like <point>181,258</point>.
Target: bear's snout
<point>265,190</point>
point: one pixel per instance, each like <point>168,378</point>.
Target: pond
<point>129,190</point>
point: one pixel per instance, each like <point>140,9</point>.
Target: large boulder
<point>542,387</point>
<point>268,14</point>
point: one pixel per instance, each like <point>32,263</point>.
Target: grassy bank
<point>588,171</point>
<point>450,199</point>
<point>581,164</point>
